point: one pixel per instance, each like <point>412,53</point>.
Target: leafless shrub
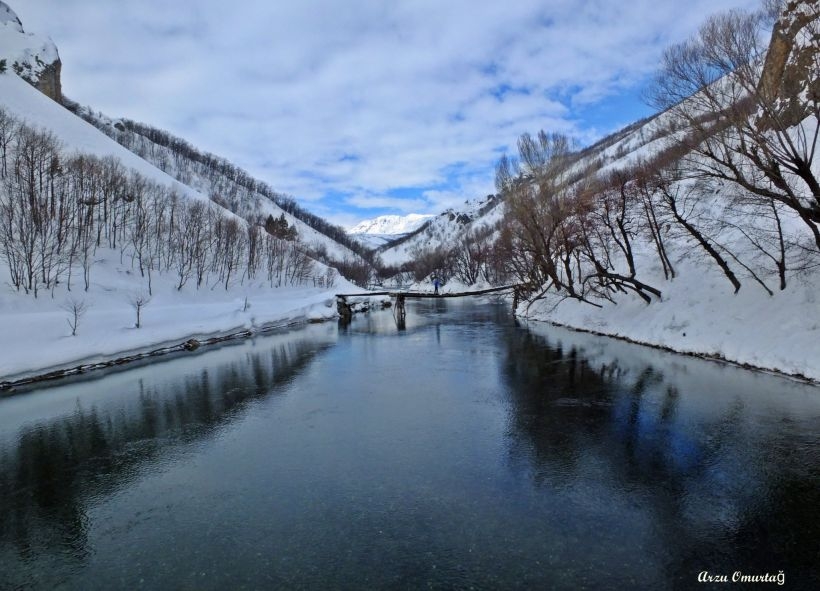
<point>76,310</point>
<point>138,301</point>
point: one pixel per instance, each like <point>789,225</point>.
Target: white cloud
<point>363,98</point>
<point>403,205</point>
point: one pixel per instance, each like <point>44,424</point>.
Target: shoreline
<point>195,341</point>
<point>797,377</point>
<point>191,343</point>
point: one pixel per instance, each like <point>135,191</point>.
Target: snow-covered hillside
<point>223,182</point>
<point>662,233</point>
<point>79,302</point>
<point>381,231</point>
<point>676,232</point>
<point>445,230</point>
<point>390,225</point>
<point>37,110</point>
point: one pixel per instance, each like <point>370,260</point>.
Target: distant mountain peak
<point>390,224</point>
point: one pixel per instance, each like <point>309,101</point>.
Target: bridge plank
<point>427,294</point>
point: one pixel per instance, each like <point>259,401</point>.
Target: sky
<point>359,108</point>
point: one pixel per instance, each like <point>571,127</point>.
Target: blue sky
<point>364,107</point>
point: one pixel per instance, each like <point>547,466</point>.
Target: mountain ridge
<point>388,225</point>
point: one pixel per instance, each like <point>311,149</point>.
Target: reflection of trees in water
<point>55,468</point>
<point>558,400</point>
<point>716,495</point>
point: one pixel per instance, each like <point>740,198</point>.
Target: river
<point>463,451</point>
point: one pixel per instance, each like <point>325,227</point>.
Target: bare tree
<point>651,220</point>
<point>676,197</point>
<point>8,133</point>
<point>748,120</point>
<point>471,256</point>
<point>539,233</point>
<point>76,310</point>
<point>138,301</point>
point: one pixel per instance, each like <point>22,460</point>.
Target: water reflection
<point>462,451</point>
<point>727,479</point>
<point>55,468</point>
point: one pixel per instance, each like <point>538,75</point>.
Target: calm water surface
<point>461,452</point>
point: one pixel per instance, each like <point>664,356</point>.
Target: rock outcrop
<point>790,76</point>
<point>32,57</point>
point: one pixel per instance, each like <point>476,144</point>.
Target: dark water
<point>462,452</point>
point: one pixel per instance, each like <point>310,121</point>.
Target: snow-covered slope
<point>742,273</point>
<point>223,182</point>
<point>24,102</point>
<point>444,230</point>
<point>37,330</point>
<point>390,225</point>
<point>383,230</point>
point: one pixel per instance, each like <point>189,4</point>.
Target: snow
<point>390,225</point>
<point>36,335</point>
<point>374,241</point>
<point>34,108</point>
<point>379,232</point>
<point>700,314</point>
<point>33,51</point>
<point>452,285</point>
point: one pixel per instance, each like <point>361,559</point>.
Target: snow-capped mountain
<point>379,232</point>
<point>390,225</point>
<point>444,230</point>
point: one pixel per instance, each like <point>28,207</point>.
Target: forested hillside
<point>696,229</point>
<point>229,186</point>
<point>104,254</point>
<point>705,238</point>
<point>732,180</point>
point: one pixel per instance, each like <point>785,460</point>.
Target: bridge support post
<point>399,311</point>
<point>345,313</point>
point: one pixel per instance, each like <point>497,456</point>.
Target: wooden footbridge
<point>399,297</point>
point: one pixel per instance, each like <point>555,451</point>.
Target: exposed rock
<point>32,57</point>
<point>49,83</point>
<point>790,65</point>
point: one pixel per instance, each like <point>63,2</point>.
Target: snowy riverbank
<point>36,336</point>
<point>700,315</point>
